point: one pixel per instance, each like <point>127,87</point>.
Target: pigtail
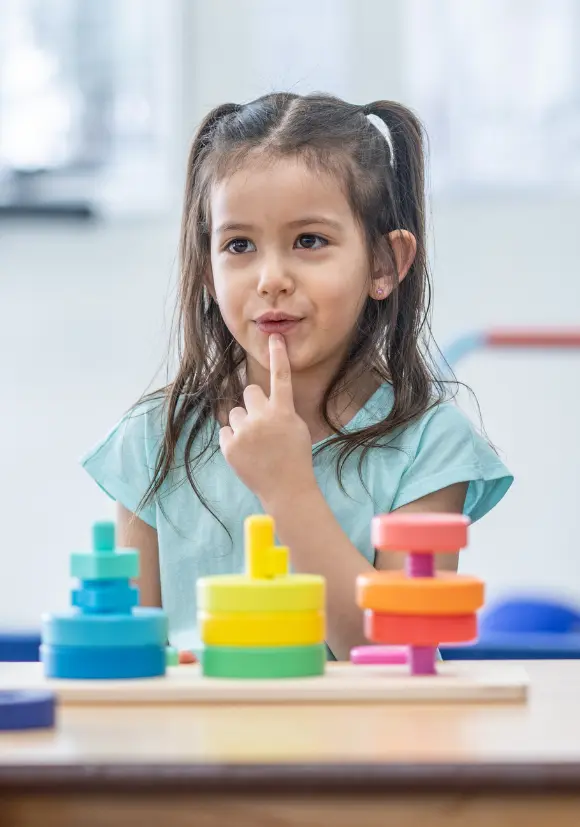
<point>407,329</point>
<point>193,311</point>
<point>202,141</point>
<point>409,152</point>
<point>194,251</point>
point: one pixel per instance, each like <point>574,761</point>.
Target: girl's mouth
<point>277,326</point>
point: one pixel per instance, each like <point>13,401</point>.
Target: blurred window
<point>85,103</point>
<point>497,83</point>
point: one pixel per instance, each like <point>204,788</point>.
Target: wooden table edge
<point>295,779</point>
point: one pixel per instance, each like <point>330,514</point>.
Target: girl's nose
<point>274,278</point>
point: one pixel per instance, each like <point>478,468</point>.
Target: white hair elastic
<point>379,124</point>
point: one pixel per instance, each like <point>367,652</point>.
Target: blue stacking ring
<point>95,596</point>
<point>144,627</point>
<point>26,710</point>
<point>103,663</point>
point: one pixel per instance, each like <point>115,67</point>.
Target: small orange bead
<point>187,657</point>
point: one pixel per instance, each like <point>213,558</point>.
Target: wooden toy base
<point>342,683</point>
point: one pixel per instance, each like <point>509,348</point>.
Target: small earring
<point>380,291</point>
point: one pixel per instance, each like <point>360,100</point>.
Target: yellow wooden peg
<point>264,560</point>
<point>279,556</point>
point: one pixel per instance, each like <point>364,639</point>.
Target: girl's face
<point>285,246</point>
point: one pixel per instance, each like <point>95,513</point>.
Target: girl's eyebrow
<point>316,219</point>
<point>299,222</point>
<point>228,226</point>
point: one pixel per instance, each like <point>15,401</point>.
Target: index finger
<point>280,373</point>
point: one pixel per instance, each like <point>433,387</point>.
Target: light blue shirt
<point>437,450</point>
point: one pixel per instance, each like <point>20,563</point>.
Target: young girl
<point>303,390</point>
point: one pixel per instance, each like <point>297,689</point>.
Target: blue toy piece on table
<point>105,636</point>
<point>27,709</point>
<point>523,629</point>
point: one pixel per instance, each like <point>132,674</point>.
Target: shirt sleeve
<point>447,449</point>
<point>123,463</point>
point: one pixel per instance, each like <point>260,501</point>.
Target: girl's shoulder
<point>124,461</point>
<point>140,428</point>
<point>438,449</point>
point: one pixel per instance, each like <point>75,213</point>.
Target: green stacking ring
<point>263,661</point>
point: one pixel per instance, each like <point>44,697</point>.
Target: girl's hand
<point>266,443</point>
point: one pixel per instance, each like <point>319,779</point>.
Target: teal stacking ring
<point>144,627</point>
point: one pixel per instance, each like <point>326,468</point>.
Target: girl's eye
<point>241,245</point>
<point>307,241</point>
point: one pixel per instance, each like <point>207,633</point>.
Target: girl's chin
<point>297,360</point>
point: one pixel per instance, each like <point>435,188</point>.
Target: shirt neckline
<point>353,422</point>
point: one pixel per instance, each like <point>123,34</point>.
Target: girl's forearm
<point>318,545</point>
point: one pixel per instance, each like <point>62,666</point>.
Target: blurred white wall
<point>84,313</point>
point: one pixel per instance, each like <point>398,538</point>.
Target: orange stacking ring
<point>420,532</point>
<point>428,630</point>
<point>392,592</point>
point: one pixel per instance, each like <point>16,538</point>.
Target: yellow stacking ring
<point>238,593</point>
<point>262,628</point>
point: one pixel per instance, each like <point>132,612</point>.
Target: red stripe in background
<point>569,339</point>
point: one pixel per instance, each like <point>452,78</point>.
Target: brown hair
<point>329,134</point>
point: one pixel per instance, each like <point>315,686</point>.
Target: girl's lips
<point>282,326</point>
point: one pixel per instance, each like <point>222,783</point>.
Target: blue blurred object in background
<point>19,646</point>
<point>523,628</point>
<point>528,616</point>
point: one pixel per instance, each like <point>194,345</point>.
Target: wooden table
<point>315,766</point>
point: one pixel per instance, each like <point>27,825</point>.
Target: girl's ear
<point>404,247</point>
